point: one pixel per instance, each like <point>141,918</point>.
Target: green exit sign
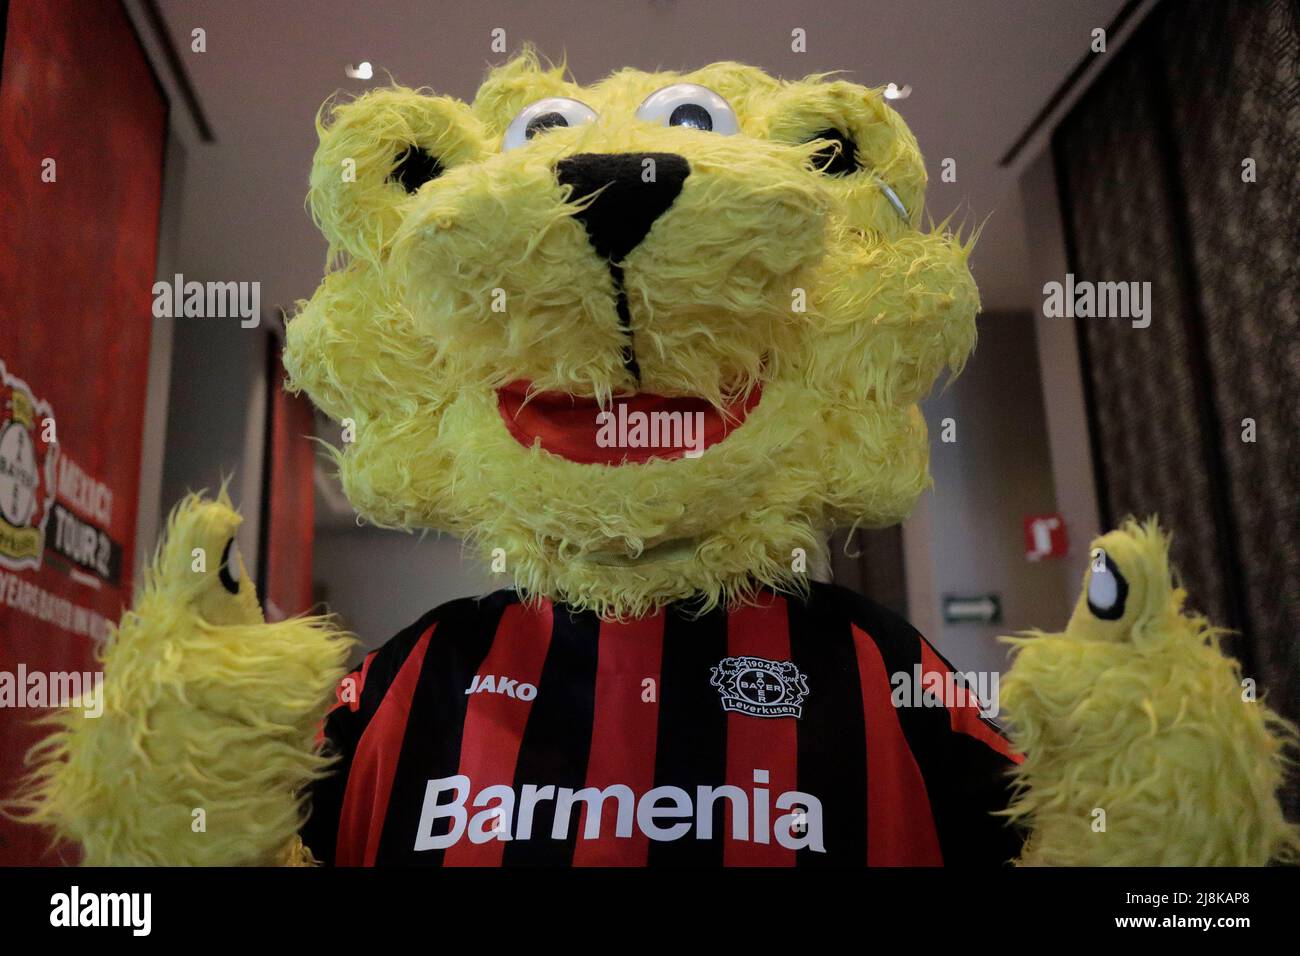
<point>972,609</point>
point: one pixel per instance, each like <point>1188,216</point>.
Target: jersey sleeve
<point>961,759</point>
<point>970,776</point>
<point>358,697</point>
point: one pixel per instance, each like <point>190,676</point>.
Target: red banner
<point>82,128</point>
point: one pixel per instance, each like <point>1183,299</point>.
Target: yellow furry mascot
<point>1144,745</point>
<point>647,342</point>
<point>206,737</point>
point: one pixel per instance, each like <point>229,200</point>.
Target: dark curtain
<point>1150,165</point>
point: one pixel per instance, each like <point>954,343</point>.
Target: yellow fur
<point>1143,718</point>
<point>206,707</point>
<point>400,337</point>
<point>209,707</point>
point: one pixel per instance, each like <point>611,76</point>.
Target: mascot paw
<point>1144,746</point>
<point>209,718</point>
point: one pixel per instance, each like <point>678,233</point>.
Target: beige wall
<point>1062,383</point>
<point>1022,448</point>
<point>966,536</point>
<point>379,581</point>
<point>152,509</point>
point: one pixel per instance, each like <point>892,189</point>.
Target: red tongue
<point>636,427</point>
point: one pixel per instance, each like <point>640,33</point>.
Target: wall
<point>217,416</point>
<point>152,508</point>
<point>380,581</point>
<point>1062,378</point>
<point>966,536</point>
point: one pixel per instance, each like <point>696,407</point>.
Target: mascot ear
<point>868,153</point>
<point>378,151</point>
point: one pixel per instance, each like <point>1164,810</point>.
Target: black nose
<point>639,188</point>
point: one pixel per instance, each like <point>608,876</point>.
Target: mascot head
<point>650,338</point>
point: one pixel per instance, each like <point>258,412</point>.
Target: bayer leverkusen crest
<point>27,477</point>
<point>759,687</point>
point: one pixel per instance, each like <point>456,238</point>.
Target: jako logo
<point>492,684</point>
<point>103,909</point>
<point>662,814</point>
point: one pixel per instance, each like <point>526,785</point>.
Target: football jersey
<point>788,732</point>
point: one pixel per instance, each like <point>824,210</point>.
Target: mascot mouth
<point>631,429</point>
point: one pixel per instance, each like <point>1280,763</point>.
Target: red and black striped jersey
<point>498,732</point>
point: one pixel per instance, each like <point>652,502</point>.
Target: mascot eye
<point>691,106</point>
<point>228,574</point>
<point>1107,589</point>
<point>415,167</point>
<point>839,157</point>
<point>543,115</point>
